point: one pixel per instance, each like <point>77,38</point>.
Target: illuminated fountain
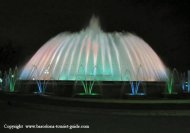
<point>1,81</point>
<point>8,80</point>
<point>87,85</point>
<point>5,81</point>
<point>41,83</point>
<point>186,82</point>
<point>173,77</point>
<point>183,82</point>
<point>12,78</point>
<point>134,85</point>
<point>113,53</point>
<point>135,88</point>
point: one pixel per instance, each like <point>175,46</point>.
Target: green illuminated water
<point>172,78</point>
<point>12,78</point>
<point>86,84</point>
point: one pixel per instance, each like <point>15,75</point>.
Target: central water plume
<point>102,56</point>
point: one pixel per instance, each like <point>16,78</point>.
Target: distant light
<point>46,71</point>
<point>1,80</point>
<point>12,76</point>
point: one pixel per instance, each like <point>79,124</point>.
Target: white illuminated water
<point>92,54</point>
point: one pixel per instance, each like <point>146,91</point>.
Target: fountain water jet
<point>1,81</point>
<point>5,82</point>
<point>134,85</point>
<point>111,52</point>
<point>41,84</point>
<point>188,81</point>
<point>173,77</point>
<point>183,82</point>
<point>87,85</point>
<point>12,77</point>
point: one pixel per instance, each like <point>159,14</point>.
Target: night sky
<point>26,25</point>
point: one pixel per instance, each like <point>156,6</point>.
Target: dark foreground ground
<point>99,120</point>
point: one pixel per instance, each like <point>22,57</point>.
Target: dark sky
<point>26,25</point>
